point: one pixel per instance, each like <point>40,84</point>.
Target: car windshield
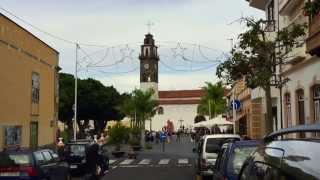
<point>77,150</point>
<point>14,159</point>
<point>238,156</point>
<point>214,144</point>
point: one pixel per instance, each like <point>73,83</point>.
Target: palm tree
<point>140,106</point>
<point>212,103</point>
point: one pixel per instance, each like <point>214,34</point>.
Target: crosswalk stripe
<point>126,162</point>
<point>183,161</point>
<point>111,161</point>
<point>164,161</point>
<point>145,161</point>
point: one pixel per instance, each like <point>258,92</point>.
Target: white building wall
<point>303,78</point>
<point>174,113</point>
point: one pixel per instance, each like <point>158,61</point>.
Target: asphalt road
<point>175,163</point>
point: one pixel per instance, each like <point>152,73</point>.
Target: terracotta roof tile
<point>181,94</point>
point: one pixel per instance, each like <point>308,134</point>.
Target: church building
<point>178,106</point>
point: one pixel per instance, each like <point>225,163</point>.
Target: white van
<point>208,150</point>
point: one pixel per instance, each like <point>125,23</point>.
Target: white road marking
<point>164,161</point>
<point>111,161</point>
<point>145,162</point>
<point>183,161</point>
<point>126,162</point>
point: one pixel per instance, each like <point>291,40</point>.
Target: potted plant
<point>135,144</point>
<point>117,135</point>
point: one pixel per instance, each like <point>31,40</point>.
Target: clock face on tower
<point>146,66</point>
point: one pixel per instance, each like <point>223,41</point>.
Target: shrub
<point>118,134</point>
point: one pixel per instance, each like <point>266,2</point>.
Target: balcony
<point>313,41</point>
<point>287,7</point>
<point>259,4</point>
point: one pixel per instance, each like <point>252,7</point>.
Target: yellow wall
<point>16,67</point>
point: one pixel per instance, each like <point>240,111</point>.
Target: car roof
<point>242,143</point>
<point>81,142</point>
<point>221,136</point>
<point>23,150</point>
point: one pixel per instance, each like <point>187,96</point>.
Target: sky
<point>191,34</point>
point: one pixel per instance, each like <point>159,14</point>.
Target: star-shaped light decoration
<point>178,51</point>
<point>126,52</point>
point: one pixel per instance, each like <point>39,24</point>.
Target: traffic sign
<point>236,104</point>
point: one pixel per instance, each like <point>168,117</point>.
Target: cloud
<point>128,82</point>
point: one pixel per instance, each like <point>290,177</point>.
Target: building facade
<point>179,107</point>
<point>249,117</point>
<point>29,88</point>
<point>299,97</point>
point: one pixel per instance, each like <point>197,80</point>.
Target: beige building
<point>249,117</point>
<point>29,88</point>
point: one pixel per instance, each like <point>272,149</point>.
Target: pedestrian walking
<point>93,162</point>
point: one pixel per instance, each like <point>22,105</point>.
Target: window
<point>316,103</point>
<point>300,99</point>
<point>300,110</point>
<point>288,116</point>
<point>35,88</point>
<point>39,157</point>
<point>262,171</point>
<point>160,110</point>
<point>238,157</point>
<point>270,11</point>
<point>47,156</point>
<point>12,135</point>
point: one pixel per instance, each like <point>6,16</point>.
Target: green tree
<point>212,103</point>
<point>66,100</point>
<point>257,54</point>
<point>139,106</point>
<point>95,102</point>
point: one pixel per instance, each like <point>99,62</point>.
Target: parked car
<point>208,149</point>
<point>29,164</point>
<point>284,157</point>
<point>231,158</point>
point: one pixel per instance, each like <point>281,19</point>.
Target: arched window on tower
<point>147,52</point>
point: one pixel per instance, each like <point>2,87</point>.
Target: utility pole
<point>234,113</point>
<point>75,95</point>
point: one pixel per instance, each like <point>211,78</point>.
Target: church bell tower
<point>149,65</point>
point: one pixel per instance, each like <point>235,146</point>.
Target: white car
<point>208,150</point>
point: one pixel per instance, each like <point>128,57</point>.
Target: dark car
<point>76,152</point>
<point>75,155</point>
<point>283,157</point>
<point>32,165</point>
<point>231,158</point>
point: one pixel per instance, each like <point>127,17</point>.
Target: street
<point>176,163</point>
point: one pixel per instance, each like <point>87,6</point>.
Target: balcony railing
<point>313,41</point>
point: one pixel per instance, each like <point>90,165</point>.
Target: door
<point>34,135</point>
<point>220,164</point>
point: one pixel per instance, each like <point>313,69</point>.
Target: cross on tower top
<point>150,24</point>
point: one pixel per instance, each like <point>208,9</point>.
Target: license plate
<point>9,174</point>
<point>73,166</point>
